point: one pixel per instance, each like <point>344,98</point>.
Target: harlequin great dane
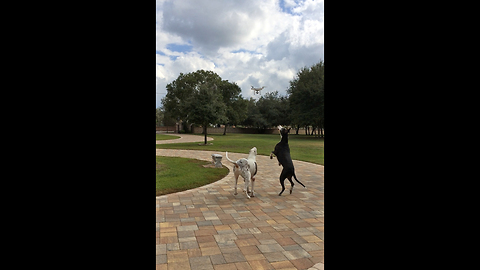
<point>240,169</point>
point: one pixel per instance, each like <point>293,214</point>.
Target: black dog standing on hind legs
<point>282,151</point>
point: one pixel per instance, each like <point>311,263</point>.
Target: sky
<point>249,42</point>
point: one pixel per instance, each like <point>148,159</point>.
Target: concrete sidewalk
<point>210,228</point>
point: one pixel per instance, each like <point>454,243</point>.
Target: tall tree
<point>236,106</point>
<point>195,98</point>
<point>206,106</point>
<point>306,96</point>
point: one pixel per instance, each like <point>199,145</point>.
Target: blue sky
<point>251,42</point>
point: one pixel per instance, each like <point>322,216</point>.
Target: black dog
<point>282,151</point>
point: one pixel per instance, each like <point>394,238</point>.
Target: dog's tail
<point>226,155</point>
<point>294,176</point>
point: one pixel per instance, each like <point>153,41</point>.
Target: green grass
<point>166,137</point>
<point>174,174</point>
<point>302,147</point>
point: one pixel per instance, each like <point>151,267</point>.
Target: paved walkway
<point>210,228</point>
<point>184,138</point>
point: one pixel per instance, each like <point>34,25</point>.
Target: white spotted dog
<point>242,168</point>
<point>252,161</point>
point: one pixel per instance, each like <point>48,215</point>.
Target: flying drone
<point>257,90</point>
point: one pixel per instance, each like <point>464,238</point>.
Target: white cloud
<point>310,8</point>
<point>248,42</point>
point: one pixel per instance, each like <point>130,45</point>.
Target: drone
<point>257,90</point>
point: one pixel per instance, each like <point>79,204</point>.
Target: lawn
<point>166,137</point>
<point>174,174</point>
<point>302,147</point>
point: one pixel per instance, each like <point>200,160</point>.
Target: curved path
<point>210,228</point>
<point>184,138</point>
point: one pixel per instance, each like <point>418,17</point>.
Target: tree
<point>179,93</point>
<point>158,116</point>
<point>254,117</point>
<point>196,98</point>
<point>163,118</point>
<point>306,96</point>
<point>274,109</point>
<point>236,106</point>
<point>269,110</point>
<point>206,106</point>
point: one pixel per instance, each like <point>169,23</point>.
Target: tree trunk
<point>321,132</point>
<point>297,129</point>
<point>225,130</point>
<point>205,132</point>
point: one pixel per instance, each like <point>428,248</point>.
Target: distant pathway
<point>184,138</point>
<point>210,228</point>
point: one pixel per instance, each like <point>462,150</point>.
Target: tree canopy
<point>236,106</point>
<point>306,96</point>
<point>182,91</point>
<point>163,118</point>
<point>203,98</point>
<point>273,109</point>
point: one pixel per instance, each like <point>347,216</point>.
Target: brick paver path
<point>210,228</point>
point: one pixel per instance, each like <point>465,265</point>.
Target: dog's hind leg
<point>283,186</point>
<point>291,183</point>
<point>283,175</point>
